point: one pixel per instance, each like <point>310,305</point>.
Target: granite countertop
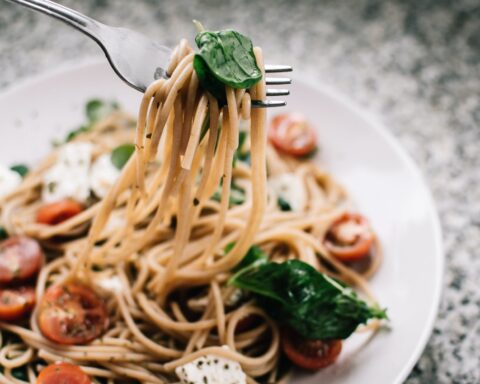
<point>414,63</point>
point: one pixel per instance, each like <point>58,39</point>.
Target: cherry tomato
<point>309,354</point>
<point>57,212</point>
<point>20,259</point>
<point>292,134</point>
<point>72,314</point>
<point>15,303</point>
<point>350,237</point>
<point>63,373</point>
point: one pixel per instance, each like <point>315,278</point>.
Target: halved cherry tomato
<point>72,314</point>
<point>350,237</point>
<point>63,373</point>
<point>292,134</point>
<point>15,303</point>
<point>20,259</point>
<point>309,354</point>
<point>57,212</point>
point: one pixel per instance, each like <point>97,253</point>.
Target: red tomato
<point>292,134</point>
<point>350,237</point>
<point>310,354</point>
<point>20,259</point>
<point>57,212</point>
<point>72,314</point>
<point>63,373</point>
<point>15,303</point>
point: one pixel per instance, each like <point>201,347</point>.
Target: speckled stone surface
<point>414,63</point>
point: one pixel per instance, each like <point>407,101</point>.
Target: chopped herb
<point>313,304</point>
<point>21,169</point>
<point>121,154</point>
<point>3,233</point>
<point>283,204</point>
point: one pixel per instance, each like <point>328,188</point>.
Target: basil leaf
<point>254,258</point>
<point>121,154</point>
<point>3,233</point>
<point>225,58</point>
<point>208,81</point>
<point>283,204</point>
<point>97,109</point>
<point>313,304</point>
<point>21,169</point>
<point>72,134</point>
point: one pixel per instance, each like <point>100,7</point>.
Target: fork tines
<point>269,68</point>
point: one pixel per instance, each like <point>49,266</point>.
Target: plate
<point>359,151</point>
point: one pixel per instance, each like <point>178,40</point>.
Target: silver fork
<point>136,59</point>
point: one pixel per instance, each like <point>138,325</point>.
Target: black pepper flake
<point>149,135</point>
<point>196,201</point>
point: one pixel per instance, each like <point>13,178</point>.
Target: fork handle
<point>77,20</point>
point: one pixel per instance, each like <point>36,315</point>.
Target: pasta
<point>154,248</point>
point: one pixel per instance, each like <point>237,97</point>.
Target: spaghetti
<point>155,246</point>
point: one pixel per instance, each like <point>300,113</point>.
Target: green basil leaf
<point>208,81</point>
<point>225,58</point>
<point>254,258</point>
<point>97,109</point>
<point>72,134</point>
<point>283,204</point>
<point>121,154</point>
<point>21,169</point>
<point>313,304</point>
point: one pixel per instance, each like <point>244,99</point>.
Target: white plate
<point>383,180</point>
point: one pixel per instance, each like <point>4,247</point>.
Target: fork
<point>136,59</point>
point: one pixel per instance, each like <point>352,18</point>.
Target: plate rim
<point>373,121</point>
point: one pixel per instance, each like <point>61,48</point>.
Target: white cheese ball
<point>68,178</point>
<point>212,370</point>
<point>103,175</point>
